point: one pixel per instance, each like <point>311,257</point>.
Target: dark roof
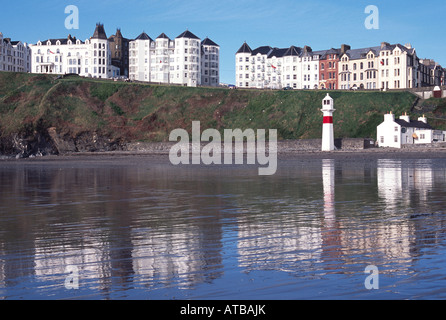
<point>293,51</point>
<point>361,53</point>
<point>276,52</point>
<point>99,32</point>
<point>244,49</point>
<point>262,50</point>
<point>187,34</point>
<point>330,51</point>
<point>163,36</point>
<point>143,36</point>
<point>209,42</point>
<point>62,41</point>
<point>413,124</point>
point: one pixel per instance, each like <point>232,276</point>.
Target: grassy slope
<point>135,112</point>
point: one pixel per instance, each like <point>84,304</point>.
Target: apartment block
<point>15,56</point>
<point>185,60</point>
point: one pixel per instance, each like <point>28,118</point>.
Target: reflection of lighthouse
<point>328,178</point>
<point>327,129</point>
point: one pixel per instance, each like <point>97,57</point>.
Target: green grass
<point>145,112</point>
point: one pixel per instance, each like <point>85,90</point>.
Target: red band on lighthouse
<point>328,119</point>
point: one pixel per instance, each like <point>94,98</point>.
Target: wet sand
<point>136,158</point>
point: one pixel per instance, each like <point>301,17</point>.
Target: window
<point>395,138</point>
<point>396,129</point>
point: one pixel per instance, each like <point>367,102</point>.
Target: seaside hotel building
<point>15,56</point>
<point>380,68</point>
<point>185,60</point>
<point>89,58</point>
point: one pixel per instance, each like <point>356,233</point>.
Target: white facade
<point>382,67</point>
<point>15,56</point>
<point>327,126</point>
<point>91,58</point>
<point>275,68</point>
<point>394,133</point>
<point>210,63</point>
<point>183,61</point>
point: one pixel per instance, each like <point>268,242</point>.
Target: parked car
<point>287,88</point>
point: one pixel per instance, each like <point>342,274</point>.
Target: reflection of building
<point>397,183</point>
<point>397,132</point>
<point>263,245</point>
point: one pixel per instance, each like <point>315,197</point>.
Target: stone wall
<point>283,146</point>
<point>424,145</point>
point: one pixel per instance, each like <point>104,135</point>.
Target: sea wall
<point>284,146</point>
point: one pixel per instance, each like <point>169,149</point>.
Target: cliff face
<point>42,114</point>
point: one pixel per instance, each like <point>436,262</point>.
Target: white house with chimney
<point>394,133</point>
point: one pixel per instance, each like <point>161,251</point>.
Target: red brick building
<point>328,68</point>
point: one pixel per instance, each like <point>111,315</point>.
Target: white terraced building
<point>381,67</point>
<point>89,58</point>
<point>275,68</point>
<point>186,60</point>
<point>15,56</point>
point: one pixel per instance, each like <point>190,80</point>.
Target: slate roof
<point>209,42</point>
<point>413,124</point>
<point>163,36</point>
<point>187,34</point>
<point>99,32</point>
<point>143,36</point>
<point>293,51</point>
<point>244,49</point>
<point>278,53</point>
<point>355,54</point>
<point>63,41</point>
<point>262,50</point>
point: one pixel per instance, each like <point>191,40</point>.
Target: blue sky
<point>321,24</point>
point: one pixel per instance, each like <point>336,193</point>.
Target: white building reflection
<point>331,226</point>
<point>400,183</point>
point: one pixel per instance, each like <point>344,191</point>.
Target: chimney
<point>423,119</point>
<point>384,44</point>
<point>345,48</point>
<point>389,117</point>
<point>405,117</point>
<point>307,49</point>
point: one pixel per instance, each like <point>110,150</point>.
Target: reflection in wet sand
<point>145,228</point>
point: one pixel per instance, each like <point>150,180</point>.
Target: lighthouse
<point>327,128</point>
